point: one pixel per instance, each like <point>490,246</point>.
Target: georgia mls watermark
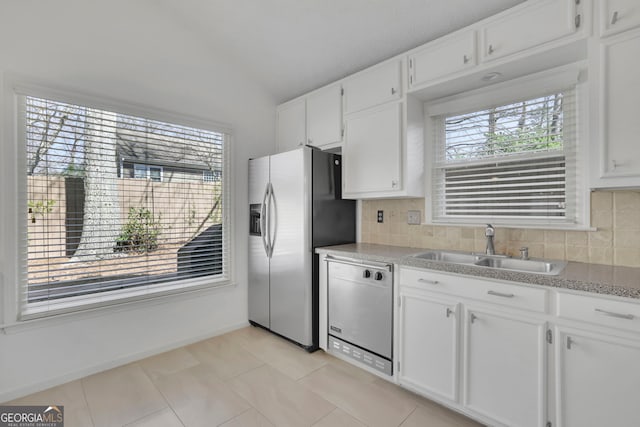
<point>32,416</point>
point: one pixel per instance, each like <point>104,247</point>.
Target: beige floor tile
<point>250,418</point>
<point>168,363</point>
<point>200,398</point>
<point>122,395</point>
<point>435,415</point>
<point>339,418</point>
<point>224,357</point>
<point>368,402</point>
<point>69,395</point>
<point>286,357</point>
<point>347,368</point>
<point>164,418</point>
<point>283,401</point>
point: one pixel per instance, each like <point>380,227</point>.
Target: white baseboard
<point>100,367</point>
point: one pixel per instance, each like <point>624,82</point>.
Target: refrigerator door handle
<point>263,220</point>
<point>272,210</point>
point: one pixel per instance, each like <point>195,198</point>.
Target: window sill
<point>88,310</point>
<point>558,227</point>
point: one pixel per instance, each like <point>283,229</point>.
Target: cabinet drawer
<point>618,15</point>
<point>372,87</point>
<point>506,294</point>
<point>443,58</point>
<point>601,311</point>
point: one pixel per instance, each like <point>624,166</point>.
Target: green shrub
<point>140,233</point>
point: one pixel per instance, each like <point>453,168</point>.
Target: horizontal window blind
<point>510,162</point>
<point>117,207</point>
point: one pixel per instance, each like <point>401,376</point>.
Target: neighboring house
<point>143,157</point>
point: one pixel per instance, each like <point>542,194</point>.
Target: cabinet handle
<point>393,91</point>
<point>578,19</point>
<point>465,59</point>
<point>449,312</point>
<point>614,18</point>
<point>500,294</point>
<point>473,317</point>
<point>430,282</point>
<point>490,49</point>
<point>618,315</point>
<point>569,343</point>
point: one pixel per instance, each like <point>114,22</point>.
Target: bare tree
<point>101,222</point>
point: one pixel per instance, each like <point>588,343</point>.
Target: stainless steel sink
<point>528,266</point>
<point>449,256</point>
<point>535,266</point>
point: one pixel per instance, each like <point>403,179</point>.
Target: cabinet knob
<point>465,59</point>
<point>394,184</point>
<point>490,51</point>
<point>473,317</point>
<point>393,91</point>
<point>614,18</point>
<point>449,312</point>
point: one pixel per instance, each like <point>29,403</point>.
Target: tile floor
<point>242,379</point>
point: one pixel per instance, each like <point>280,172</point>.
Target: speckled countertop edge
<point>594,278</point>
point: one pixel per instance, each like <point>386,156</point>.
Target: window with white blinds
<point>514,162</point>
<point>117,207</point>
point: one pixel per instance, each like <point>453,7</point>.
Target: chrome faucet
<point>489,232</point>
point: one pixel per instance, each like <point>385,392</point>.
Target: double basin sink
<point>551,268</point>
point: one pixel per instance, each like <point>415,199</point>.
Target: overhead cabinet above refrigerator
<point>295,205</point>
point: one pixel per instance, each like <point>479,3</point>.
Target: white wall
<point>132,53</point>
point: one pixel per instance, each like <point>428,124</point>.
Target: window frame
<point>147,171</point>
<point>13,248</point>
<point>528,87</point>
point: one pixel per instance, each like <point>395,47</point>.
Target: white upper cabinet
<point>291,125</point>
<point>374,86</point>
<point>618,15</point>
<point>443,58</point>
<point>371,151</point>
<point>540,22</point>
<point>324,117</point>
<point>617,148</point>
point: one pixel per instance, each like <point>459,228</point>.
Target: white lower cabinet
<point>428,353</point>
<point>505,367</point>
<point>597,379</point>
<point>519,356</point>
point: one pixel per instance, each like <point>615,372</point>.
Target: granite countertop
<point>596,278</point>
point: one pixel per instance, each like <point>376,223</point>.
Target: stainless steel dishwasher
<point>360,305</point>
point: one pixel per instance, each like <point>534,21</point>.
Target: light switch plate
<point>413,217</point>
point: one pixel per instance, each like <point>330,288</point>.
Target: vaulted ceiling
<point>293,46</point>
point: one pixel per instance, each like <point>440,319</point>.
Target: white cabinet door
<point>620,108</point>
<point>429,345</point>
<point>538,23</point>
<point>443,58</point>
<point>291,125</point>
<point>324,116</point>
<point>505,368</point>
<point>598,380</point>
<point>618,15</point>
<point>371,151</point>
<point>372,87</point>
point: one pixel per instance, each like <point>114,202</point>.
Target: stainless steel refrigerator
<point>295,205</point>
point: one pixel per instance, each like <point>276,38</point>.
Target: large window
<point>511,163</point>
<point>95,231</point>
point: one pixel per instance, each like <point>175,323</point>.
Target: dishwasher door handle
<point>368,264</point>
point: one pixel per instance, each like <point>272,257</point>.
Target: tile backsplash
<point>615,214</point>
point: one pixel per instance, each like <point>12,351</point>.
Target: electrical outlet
<point>380,216</point>
<point>413,217</point>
